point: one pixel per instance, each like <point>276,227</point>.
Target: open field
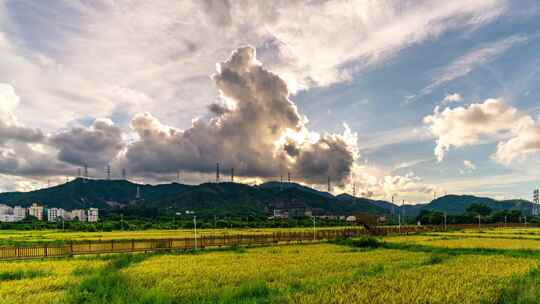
<point>34,237</point>
<point>426,268</point>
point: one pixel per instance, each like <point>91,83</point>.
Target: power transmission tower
<point>108,170</point>
<point>536,201</point>
<point>329,187</point>
<point>85,172</point>
<point>289,177</point>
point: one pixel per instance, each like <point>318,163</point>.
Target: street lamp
<point>314,228</point>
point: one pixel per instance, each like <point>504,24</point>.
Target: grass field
<point>25,238</point>
<point>456,267</point>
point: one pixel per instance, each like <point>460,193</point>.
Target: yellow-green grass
<point>21,237</point>
<point>441,268</point>
<point>43,281</point>
<point>453,241</point>
<point>318,273</point>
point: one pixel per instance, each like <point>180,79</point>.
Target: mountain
<point>457,204</point>
<point>230,199</point>
<point>206,199</point>
<point>85,193</point>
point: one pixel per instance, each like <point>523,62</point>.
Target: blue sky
<point>406,77</point>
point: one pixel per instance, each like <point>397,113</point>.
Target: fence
<point>203,241</point>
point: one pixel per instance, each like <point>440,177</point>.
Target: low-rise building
<point>79,214</point>
<point>93,215</point>
<point>68,216</point>
<point>7,218</point>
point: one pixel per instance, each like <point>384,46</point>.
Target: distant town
<point>10,214</point>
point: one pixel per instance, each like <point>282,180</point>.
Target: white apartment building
<point>8,214</point>
<point>7,218</point>
<point>19,213</point>
<point>36,211</point>
<point>93,215</point>
<point>79,214</point>
<point>55,214</point>
<point>5,209</point>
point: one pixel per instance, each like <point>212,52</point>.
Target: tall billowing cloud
<point>255,128</point>
<point>462,126</point>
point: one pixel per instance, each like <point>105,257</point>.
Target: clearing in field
<point>460,267</point>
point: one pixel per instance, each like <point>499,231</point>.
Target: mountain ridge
<point>228,198</point>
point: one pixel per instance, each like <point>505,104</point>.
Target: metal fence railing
<point>186,243</point>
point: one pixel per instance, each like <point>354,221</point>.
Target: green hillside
<point>223,199</point>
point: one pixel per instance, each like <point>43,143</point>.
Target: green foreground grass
<point>402,269</point>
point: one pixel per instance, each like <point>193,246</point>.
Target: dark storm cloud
<point>96,146</point>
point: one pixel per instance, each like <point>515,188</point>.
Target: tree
<point>479,209</point>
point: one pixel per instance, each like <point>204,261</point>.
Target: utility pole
<point>289,177</point>
<point>124,174</point>
<point>314,229</point>
<point>108,169</point>
<point>445,227</point>
<point>479,222</point>
<point>403,211</point>
<point>217,172</point>
<point>399,217</point>
<point>232,175</point>
<point>195,230</point>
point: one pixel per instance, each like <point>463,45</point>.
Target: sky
<point>411,99</point>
